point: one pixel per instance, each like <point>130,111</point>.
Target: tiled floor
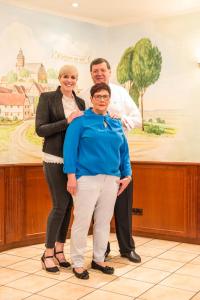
<point>169,271</point>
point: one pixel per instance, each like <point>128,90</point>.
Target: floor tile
<point>124,260</point>
<point>162,244</point>
<point>120,268</point>
<point>28,265</point>
<point>188,247</point>
<point>141,240</point>
<point>127,287</point>
<point>183,282</point>
<point>7,293</point>
<point>103,295</point>
<point>196,260</point>
<point>190,269</point>
<point>149,251</point>
<point>32,283</point>
<point>137,281</point>
<point>37,297</point>
<point>63,275</point>
<point>26,252</point>
<point>9,275</point>
<point>40,246</point>
<point>196,297</point>
<point>66,291</point>
<point>7,260</point>
<point>163,264</point>
<point>166,293</point>
<point>146,275</point>
<point>96,280</point>
<point>178,256</point>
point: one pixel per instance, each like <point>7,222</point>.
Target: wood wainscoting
<point>166,203</point>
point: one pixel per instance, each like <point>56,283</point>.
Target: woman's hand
<point>123,183</point>
<point>73,115</point>
<point>72,184</point>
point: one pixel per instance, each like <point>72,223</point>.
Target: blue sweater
<point>96,144</point>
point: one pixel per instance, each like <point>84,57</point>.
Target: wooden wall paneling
<point>14,206</point>
<point>37,202</point>
<point>160,190</point>
<point>168,193</point>
<point>2,207</point>
<point>192,202</point>
<point>198,203</point>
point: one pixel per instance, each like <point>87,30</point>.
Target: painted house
<point>15,106</point>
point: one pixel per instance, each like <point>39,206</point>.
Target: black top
<point>50,120</point>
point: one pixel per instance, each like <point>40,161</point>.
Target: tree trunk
<point>142,111</point>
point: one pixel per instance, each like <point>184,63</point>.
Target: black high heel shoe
<point>53,270</point>
<point>62,264</point>
<point>106,269</point>
<point>82,275</point>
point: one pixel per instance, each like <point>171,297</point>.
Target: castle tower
<point>20,60</point>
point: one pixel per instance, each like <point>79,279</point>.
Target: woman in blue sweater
<point>96,159</point>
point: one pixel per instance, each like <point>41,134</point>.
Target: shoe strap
<point>58,252</point>
<point>48,256</point>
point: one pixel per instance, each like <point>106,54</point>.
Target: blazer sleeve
<point>71,145</point>
<point>125,165</point>
<point>43,126</point>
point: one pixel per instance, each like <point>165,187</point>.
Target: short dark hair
<point>99,87</point>
<point>98,61</point>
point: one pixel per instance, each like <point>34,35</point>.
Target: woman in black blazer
<point>55,112</point>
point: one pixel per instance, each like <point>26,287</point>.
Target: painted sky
<point>43,36</point>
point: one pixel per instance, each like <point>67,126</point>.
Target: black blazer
<point>51,122</point>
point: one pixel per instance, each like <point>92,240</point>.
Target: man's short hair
<point>99,87</point>
<point>98,61</point>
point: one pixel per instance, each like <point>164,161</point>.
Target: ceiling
<point>111,12</point>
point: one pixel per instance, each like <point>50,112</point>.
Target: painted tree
<point>125,75</point>
<point>146,67</point>
<point>140,67</point>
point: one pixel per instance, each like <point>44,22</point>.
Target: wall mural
<point>152,61</point>
<point>31,55</point>
<point>139,68</point>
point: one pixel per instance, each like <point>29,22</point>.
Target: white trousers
<point>95,194</point>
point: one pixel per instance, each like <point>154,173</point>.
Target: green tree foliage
<point>124,71</point>
<point>139,66</point>
<point>52,73</point>
<point>146,67</point>
<point>134,93</point>
<point>24,73</point>
<point>11,77</point>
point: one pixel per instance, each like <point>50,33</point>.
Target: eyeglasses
<point>99,97</point>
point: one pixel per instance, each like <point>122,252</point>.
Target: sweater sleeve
<point>71,144</point>
<point>125,165</point>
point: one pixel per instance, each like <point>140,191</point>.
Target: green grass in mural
<point>155,129</point>
<point>32,137</point>
<point>5,132</point>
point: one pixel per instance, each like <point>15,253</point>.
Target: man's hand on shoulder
<point>115,116</point>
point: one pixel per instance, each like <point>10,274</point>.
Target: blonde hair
<point>68,69</point>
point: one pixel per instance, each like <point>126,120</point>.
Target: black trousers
<point>59,217</point>
<point>123,220</point>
